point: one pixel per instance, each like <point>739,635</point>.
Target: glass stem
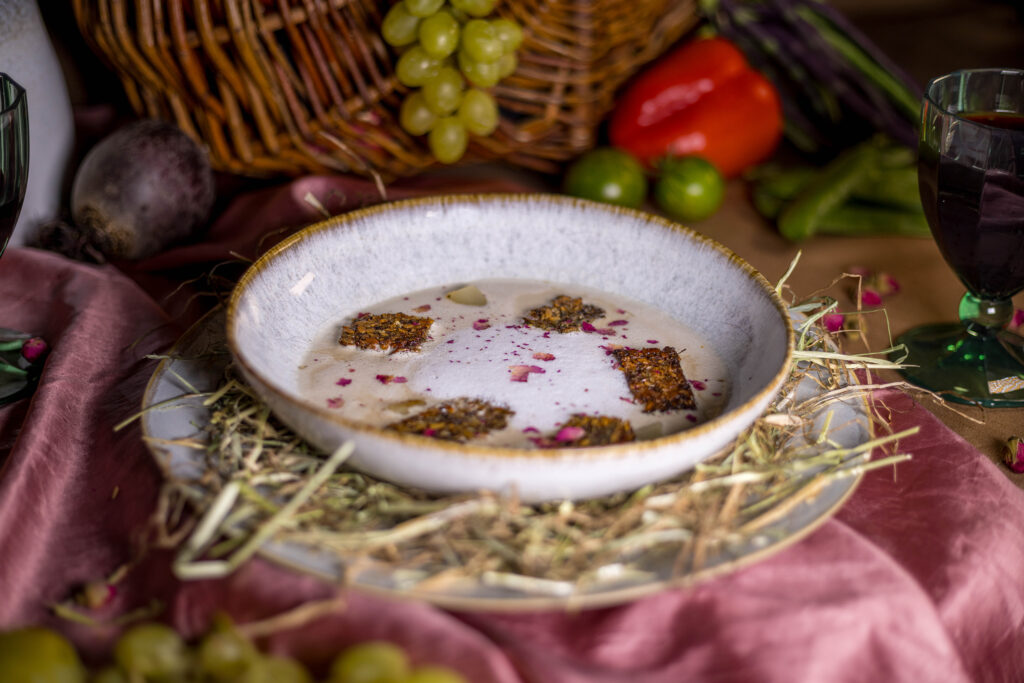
<point>985,316</point>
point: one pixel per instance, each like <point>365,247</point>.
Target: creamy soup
<point>486,352</point>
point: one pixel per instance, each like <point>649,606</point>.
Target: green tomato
<point>370,662</point>
<point>688,188</point>
<point>39,654</point>
<point>152,652</point>
<point>434,674</point>
<point>607,175</point>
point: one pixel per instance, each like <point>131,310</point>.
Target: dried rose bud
<point>833,321</point>
<point>1018,318</point>
<point>96,594</point>
<point>33,349</point>
<point>870,297</point>
<point>1013,456</point>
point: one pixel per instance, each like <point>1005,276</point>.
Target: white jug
<point>27,56</point>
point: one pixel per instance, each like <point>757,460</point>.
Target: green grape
<point>478,112</point>
<point>422,8</point>
<point>399,27</point>
<point>475,8</point>
<point>509,33</point>
<point>275,670</point>
<point>448,140</point>
<point>459,15</point>
<point>507,64</point>
<point>480,41</point>
<point>152,652</point>
<point>370,662</point>
<point>110,674</point>
<point>435,674</point>
<point>415,116</point>
<point>39,654</point>
<point>443,92</point>
<point>480,74</point>
<point>415,67</point>
<point>439,34</point>
<point>225,655</point>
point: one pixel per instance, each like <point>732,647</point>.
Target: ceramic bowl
<point>341,266</point>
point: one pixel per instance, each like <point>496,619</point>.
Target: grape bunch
<point>155,653</point>
<point>452,53</point>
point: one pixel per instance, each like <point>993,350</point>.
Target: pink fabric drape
<point>917,578</point>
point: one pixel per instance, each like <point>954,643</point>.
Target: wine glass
<point>971,178</point>
<point>20,353</point>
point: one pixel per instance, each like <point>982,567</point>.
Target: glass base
<point>971,366</point>
<point>19,374</point>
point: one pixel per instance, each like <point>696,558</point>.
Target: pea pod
<point>831,188</point>
<point>854,219</point>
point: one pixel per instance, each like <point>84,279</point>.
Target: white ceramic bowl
<point>343,265</point>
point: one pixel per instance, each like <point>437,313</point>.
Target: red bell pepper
<point>702,99</point>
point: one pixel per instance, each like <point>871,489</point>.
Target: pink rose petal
<point>343,382</point>
<point>609,349</point>
<point>652,341</point>
<point>569,433</point>
<point>481,325</point>
<point>833,321</point>
<point>540,355</point>
<point>698,385</point>
<point>531,430</point>
<point>587,327</point>
<point>335,403</point>
<point>616,323</point>
<point>1018,318</point>
<point>422,309</point>
<point>389,379</point>
<point>521,373</point>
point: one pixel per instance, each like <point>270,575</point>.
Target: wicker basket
<point>287,87</point>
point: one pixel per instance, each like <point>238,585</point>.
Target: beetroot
<point>139,190</point>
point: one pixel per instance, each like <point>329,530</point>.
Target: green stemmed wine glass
<point>971,177</point>
<point>20,354</point>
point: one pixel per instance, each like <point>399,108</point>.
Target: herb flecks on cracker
<point>386,332</point>
<point>563,314</point>
<point>595,430</point>
<point>655,378</point>
<point>459,419</point>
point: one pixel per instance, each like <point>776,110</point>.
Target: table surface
<point>916,579</point>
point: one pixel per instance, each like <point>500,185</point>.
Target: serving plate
<point>174,415</point>
<point>344,266</point>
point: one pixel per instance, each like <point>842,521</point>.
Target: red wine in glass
<point>971,178</point>
<point>20,353</point>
